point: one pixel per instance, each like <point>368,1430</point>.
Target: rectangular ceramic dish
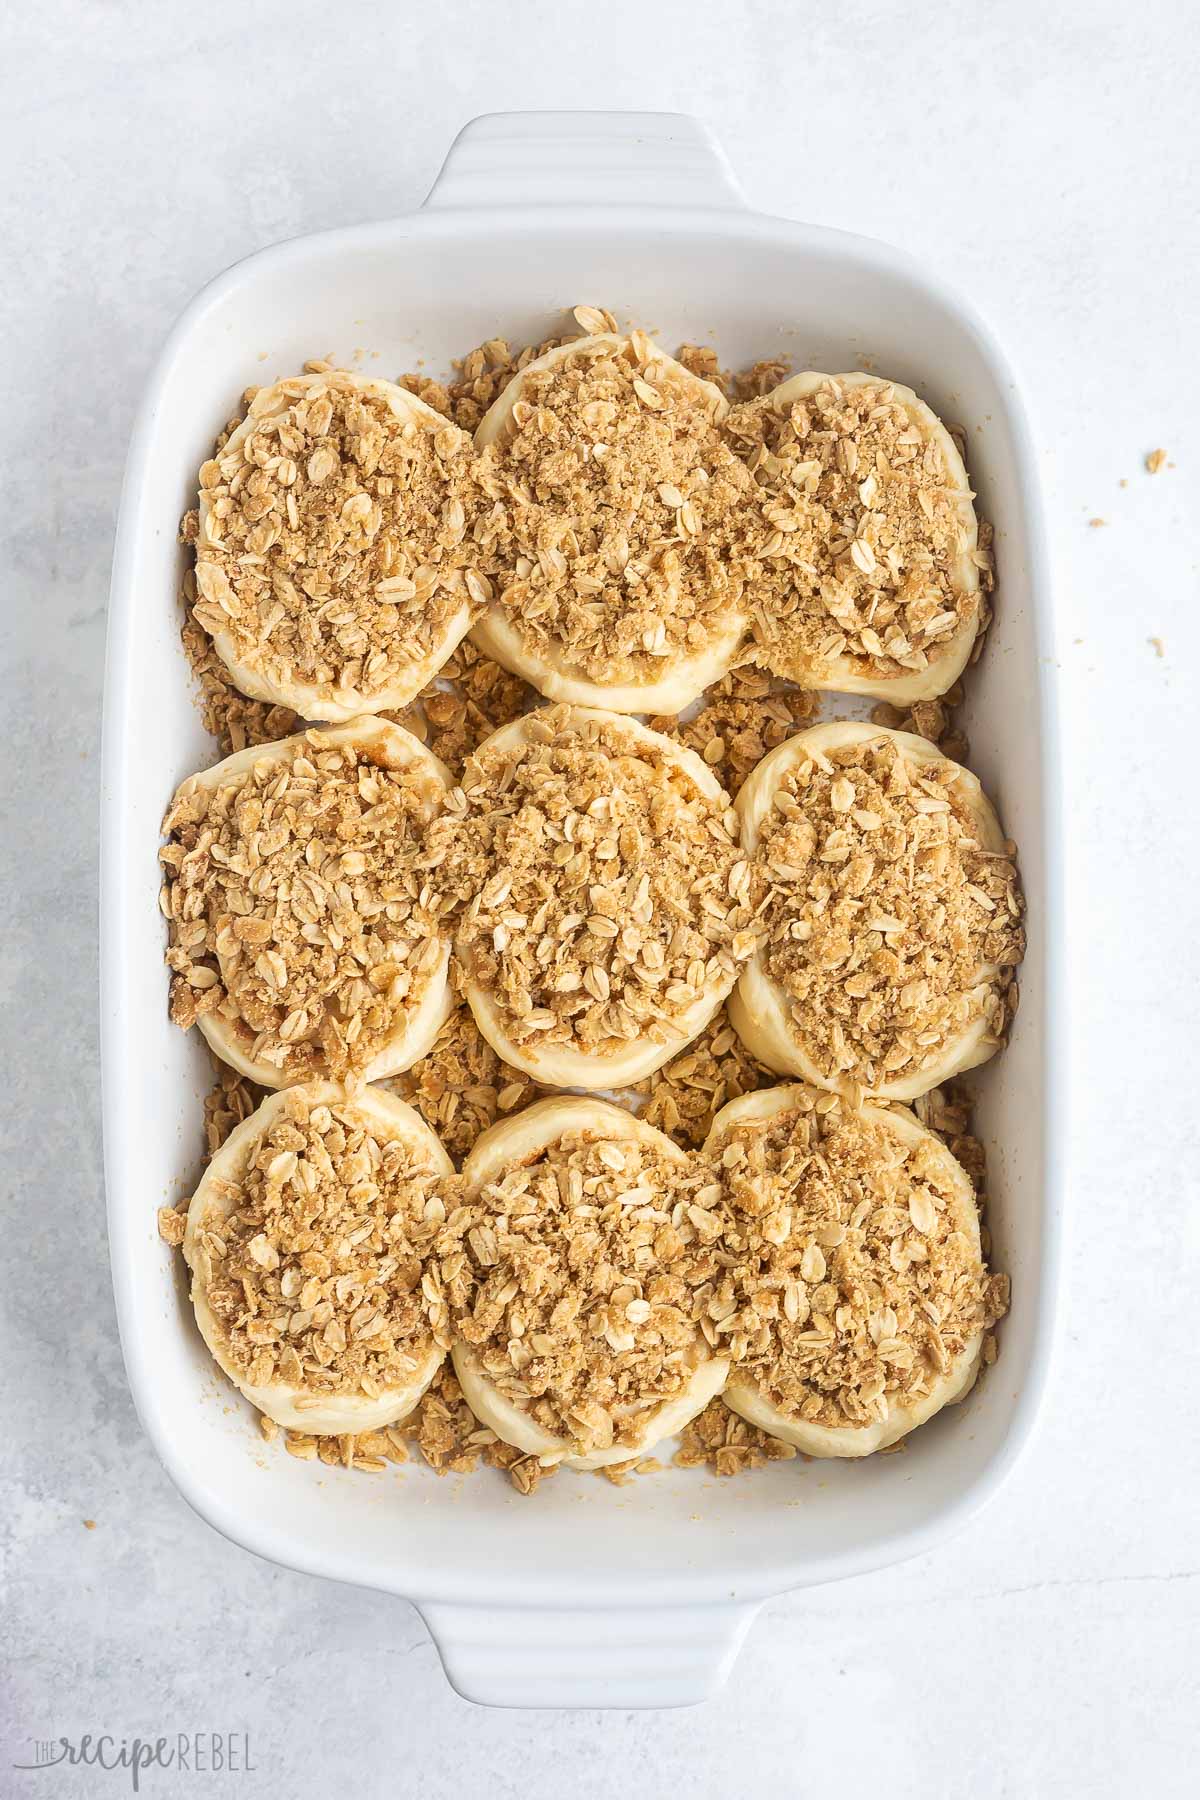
<point>588,1594</point>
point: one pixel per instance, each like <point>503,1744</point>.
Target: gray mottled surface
<point>1045,157</point>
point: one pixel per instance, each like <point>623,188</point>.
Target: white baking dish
<point>587,1594</point>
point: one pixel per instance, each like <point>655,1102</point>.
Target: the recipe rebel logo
<point>190,1752</point>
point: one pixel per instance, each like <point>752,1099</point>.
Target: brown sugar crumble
<point>583,1292</point>
<point>857,1285</point>
<point>612,496</point>
<point>861,533</point>
<point>883,912</point>
<point>601,887</point>
<point>334,547</point>
<point>315,1262</point>
<point>298,904</point>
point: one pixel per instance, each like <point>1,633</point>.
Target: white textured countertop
<point>1045,158</point>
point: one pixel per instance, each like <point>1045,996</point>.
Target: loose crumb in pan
<point>479,379</point>
<point>719,1440</point>
<point>948,1112</point>
<point>613,500</point>
<point>318,1275</point>
<point>601,887</point>
<point>702,360</point>
<point>442,1429</point>
<point>472,697</point>
<point>172,1225</point>
<point>859,532</point>
<point>453,1442</point>
<point>759,379</point>
<point>334,545</point>
<point>683,1097</point>
<point>230,1100</point>
<point>734,734</point>
<point>299,905</point>
<point>931,719</point>
<point>368,1451</point>
<point>881,910</point>
<point>854,1286</point>
<point>462,1087</point>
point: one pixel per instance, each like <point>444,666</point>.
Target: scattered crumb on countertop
<point>1155,461</point>
<point>1158,646</point>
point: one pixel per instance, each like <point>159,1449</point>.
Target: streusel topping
<point>851,1281</point>
<point>883,911</point>
<point>335,539</point>
<point>318,1276</point>
<point>579,1293</point>
<point>603,892</point>
<point>860,532</point>
<point>612,499</point>
<point>299,904</point>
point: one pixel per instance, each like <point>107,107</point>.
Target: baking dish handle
<point>585,159</point>
<point>623,1658</point>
